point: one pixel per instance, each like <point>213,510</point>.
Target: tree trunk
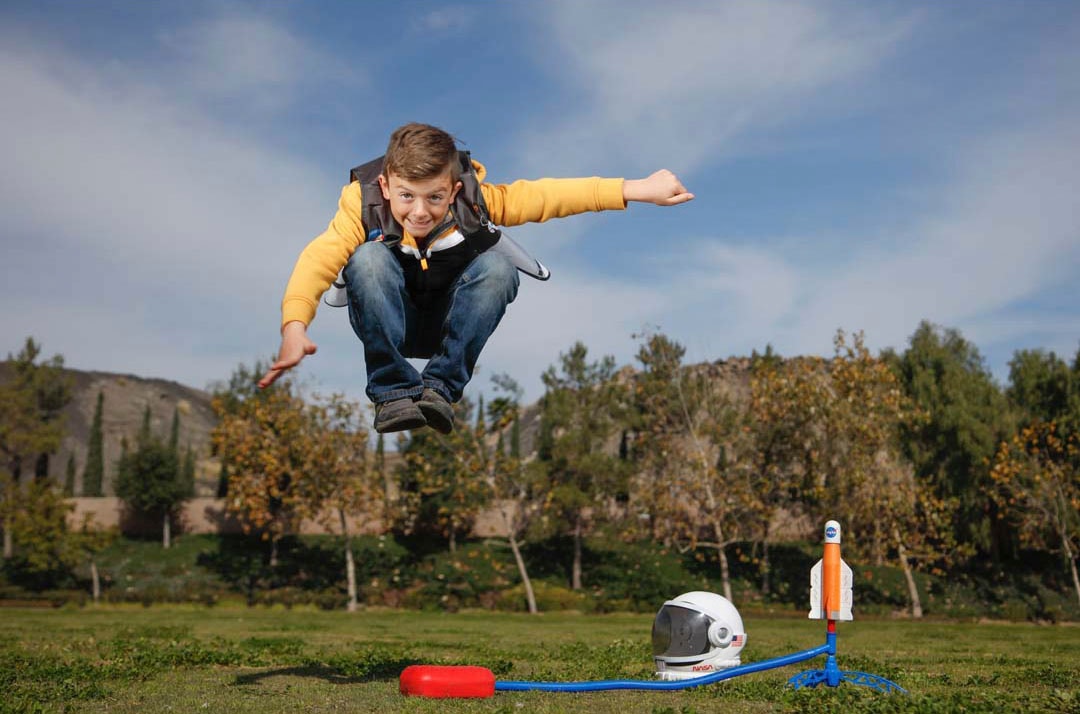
<point>1072,564</point>
<point>725,573</point>
<point>766,584</point>
<point>9,542</point>
<point>273,551</point>
<point>166,531</point>
<point>95,582</point>
<point>725,570</point>
<point>453,540</point>
<point>530,596</point>
<point>350,564</point>
<point>575,572</point>
<point>909,578</point>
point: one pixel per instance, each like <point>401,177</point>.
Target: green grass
<point>226,659</point>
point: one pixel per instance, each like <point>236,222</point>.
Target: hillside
<point>125,400</point>
<point>126,397</point>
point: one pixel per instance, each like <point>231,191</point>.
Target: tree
<point>31,424</point>
<point>441,490</point>
<point>90,541</point>
<point>343,478</point>
<point>150,480</point>
<point>581,412</point>
<point>69,476</point>
<point>901,515</point>
<point>1036,475</point>
<point>697,483</point>
<point>966,417</point>
<point>94,471</point>
<point>174,433</point>
<point>828,435</point>
<point>187,468</point>
<point>1044,389</point>
<point>513,483</point>
<point>263,439</point>
<point>468,469</point>
<point>46,554</point>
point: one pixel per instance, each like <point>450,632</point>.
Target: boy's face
<point>419,205</point>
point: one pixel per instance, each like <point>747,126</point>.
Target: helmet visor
<point>680,632</point>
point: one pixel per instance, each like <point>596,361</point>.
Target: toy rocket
<point>830,581</point>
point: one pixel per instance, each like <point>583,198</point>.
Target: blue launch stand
<point>831,676</point>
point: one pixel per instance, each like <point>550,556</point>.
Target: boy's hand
<point>295,346</point>
<point>662,188</point>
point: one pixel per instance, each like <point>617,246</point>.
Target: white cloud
<point>1009,230</point>
<point>249,60</point>
<point>672,84</point>
<point>548,318</point>
<point>118,191</point>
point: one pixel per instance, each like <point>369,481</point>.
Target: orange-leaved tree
<point>265,443</point>
<point>1036,477</point>
<point>828,433</point>
<point>343,481</point>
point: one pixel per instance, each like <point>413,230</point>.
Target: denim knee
<point>372,263</point>
<point>494,269</point>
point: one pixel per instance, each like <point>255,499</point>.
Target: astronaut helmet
<point>696,634</point>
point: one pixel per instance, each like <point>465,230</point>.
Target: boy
<point>410,240</point>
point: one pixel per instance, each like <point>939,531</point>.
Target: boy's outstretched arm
<point>662,188</point>
<point>295,346</point>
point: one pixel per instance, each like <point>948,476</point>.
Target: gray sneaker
<point>437,411</point>
<point>398,415</point>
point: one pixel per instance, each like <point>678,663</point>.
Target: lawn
<point>226,659</point>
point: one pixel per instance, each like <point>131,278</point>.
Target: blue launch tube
<point>607,684</point>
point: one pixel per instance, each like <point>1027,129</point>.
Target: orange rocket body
<point>831,581</point>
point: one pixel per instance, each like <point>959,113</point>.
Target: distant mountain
<point>125,400</point>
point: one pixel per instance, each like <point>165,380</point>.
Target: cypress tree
<point>174,434</point>
<point>187,471</point>
<point>69,476</point>
<point>94,473</point>
<point>145,434</point>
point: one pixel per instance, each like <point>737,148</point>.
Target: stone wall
<point>207,515</point>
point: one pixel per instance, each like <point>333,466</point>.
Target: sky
<point>856,166</point>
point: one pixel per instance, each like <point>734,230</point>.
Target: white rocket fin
<point>846,587</point>
<point>846,596</point>
<point>815,593</point>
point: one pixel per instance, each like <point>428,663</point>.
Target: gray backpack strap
<point>376,216</point>
<point>479,232</point>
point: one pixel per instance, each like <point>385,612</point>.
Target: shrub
<point>549,598</point>
<point>450,581</point>
<point>636,577</point>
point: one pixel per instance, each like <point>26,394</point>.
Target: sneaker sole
<point>436,419</point>
<point>406,422</point>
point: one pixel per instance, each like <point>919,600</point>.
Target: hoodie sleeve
<point>543,199</point>
<point>322,259</point>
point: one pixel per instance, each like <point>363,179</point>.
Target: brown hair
<point>421,151</point>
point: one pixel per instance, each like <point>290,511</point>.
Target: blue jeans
<point>451,330</point>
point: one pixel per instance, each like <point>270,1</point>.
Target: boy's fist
<point>662,188</point>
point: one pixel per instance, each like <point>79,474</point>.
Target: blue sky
<point>857,165</point>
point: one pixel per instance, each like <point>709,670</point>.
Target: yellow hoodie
<point>507,204</point>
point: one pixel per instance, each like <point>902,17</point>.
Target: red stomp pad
<point>445,681</point>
